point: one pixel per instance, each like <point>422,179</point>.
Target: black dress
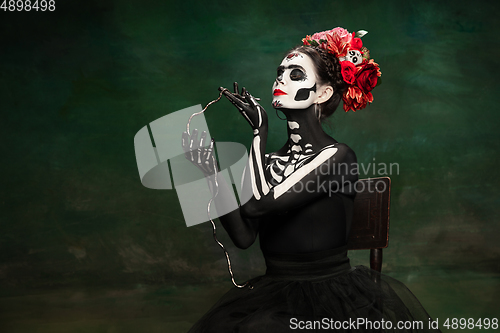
<point>309,284</point>
<point>318,292</point>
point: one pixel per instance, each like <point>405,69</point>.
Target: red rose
<point>356,44</point>
<point>348,71</point>
<point>366,79</point>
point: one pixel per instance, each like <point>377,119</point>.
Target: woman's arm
<point>332,170</point>
<point>243,231</point>
<point>255,183</point>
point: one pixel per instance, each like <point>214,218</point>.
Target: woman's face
<point>296,82</point>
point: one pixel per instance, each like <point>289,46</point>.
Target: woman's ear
<point>324,93</point>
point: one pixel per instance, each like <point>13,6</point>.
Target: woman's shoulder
<point>341,147</point>
<point>344,147</point>
<point>343,163</point>
<point>344,153</point>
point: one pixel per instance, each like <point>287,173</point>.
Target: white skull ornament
<point>353,56</point>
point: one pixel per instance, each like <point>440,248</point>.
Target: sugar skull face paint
<point>295,84</point>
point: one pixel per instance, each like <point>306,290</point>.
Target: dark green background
<point>85,248</point>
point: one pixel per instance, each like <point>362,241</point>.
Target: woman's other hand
<point>248,106</point>
<point>197,153</point>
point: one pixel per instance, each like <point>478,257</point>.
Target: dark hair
<point>329,72</point>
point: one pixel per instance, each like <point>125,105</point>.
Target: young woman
<point>299,201</point>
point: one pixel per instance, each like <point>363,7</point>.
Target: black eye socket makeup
<point>297,75</point>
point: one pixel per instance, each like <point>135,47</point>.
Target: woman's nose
<point>280,79</point>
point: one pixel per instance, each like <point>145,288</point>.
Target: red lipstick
<point>278,92</point>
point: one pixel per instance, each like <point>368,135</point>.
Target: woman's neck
<point>305,134</point>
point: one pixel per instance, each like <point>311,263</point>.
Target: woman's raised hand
<point>248,106</point>
<point>196,152</point>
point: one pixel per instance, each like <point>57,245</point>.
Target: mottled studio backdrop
<point>76,85</point>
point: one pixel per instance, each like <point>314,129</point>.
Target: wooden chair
<point>370,222</point>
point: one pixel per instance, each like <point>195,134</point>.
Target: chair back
<point>370,221</point>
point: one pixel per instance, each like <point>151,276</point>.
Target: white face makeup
<point>296,82</point>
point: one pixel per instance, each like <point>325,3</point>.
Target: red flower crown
<point>360,73</point>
